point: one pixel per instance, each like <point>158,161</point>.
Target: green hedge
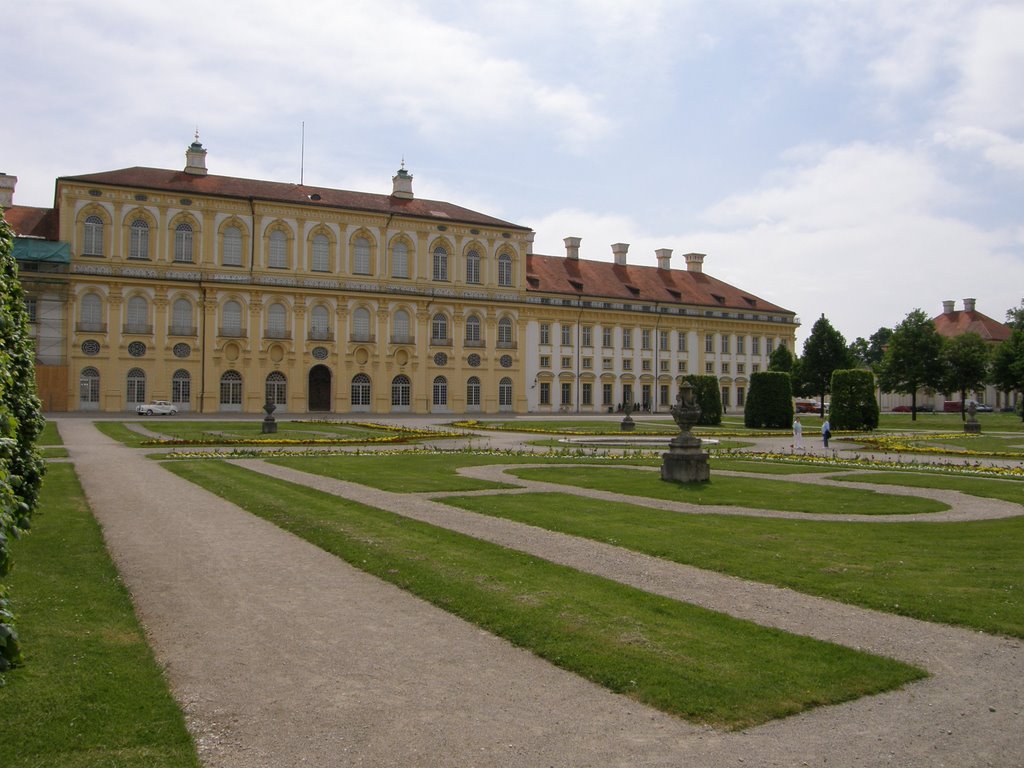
<point>708,397</point>
<point>853,400</point>
<point>770,401</point>
<point>21,422</point>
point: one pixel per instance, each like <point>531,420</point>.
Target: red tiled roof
<point>27,221</point>
<point>556,274</point>
<point>189,184</point>
<point>959,322</point>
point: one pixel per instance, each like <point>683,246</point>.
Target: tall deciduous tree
<point>1008,364</point>
<point>824,352</point>
<point>913,358</point>
<point>870,351</point>
<point>965,362</point>
<point>1015,317</point>
<point>781,359</point>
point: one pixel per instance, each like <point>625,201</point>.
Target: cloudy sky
<point>857,158</point>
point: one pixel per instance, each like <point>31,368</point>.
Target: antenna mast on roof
<point>302,154</point>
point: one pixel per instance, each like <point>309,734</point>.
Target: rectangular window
<point>681,342</point>
<point>769,345</point>
<point>741,368</point>
<point>681,366</point>
<point>545,361</point>
<point>725,397</point>
<point>645,365</point>
<point>627,338</point>
<point>545,333</point>
<point>588,363</point>
<point>606,363</point>
<point>566,335</point>
<point>741,345</point>
<point>755,345</point>
<point>663,341</point>
<point>725,367</point>
<point>627,364</point>
<point>709,367</point>
<point>566,361</point>
<point>740,396</point>
<point>725,345</point>
<point>606,394</point>
<point>755,368</point>
<point>545,393</point>
<point>645,338</point>
<point>606,338</point>
<point>30,309</point>
<point>663,394</point>
<point>588,336</point>
<point>587,393</point>
<point>663,366</point>
<point>566,393</point>
<point>709,343</point>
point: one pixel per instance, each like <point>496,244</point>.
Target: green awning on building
<point>36,249</point>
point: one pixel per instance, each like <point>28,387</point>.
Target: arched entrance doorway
<point>319,388</point>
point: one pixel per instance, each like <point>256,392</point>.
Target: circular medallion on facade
<point>276,353</point>
<point>182,350</point>
<point>319,353</point>
<point>136,349</point>
<point>401,357</point>
<point>473,360</point>
<point>362,356</point>
<point>231,351</point>
<point>440,359</point>
<point>90,347</point>
<point>506,361</point>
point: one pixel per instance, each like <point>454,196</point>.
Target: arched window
<point>138,315</point>
<point>505,393</point>
<point>276,321</point>
<point>472,331</point>
<point>139,245</point>
<point>505,331</point>
<point>440,263</point>
<point>440,391</point>
<point>504,269</point>
<point>399,260</point>
<point>232,254</point>
<point>181,387</point>
<point>136,382</point>
<point>278,257</point>
<point>439,329</point>
<point>321,254</point>
<point>360,391</point>
<point>473,392</point>
<point>91,318</point>
<point>361,256</point>
<point>93,245</point>
<point>401,392</point>
<point>277,388</point>
<point>181,318</point>
<point>89,387</point>
<point>231,389</point>
<point>232,319</point>
<point>319,323</point>
<point>361,325</point>
<point>473,267</point>
<point>183,242</point>
<point>400,327</point>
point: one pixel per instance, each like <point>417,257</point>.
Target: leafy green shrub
<point>21,422</point>
<point>853,400</point>
<point>770,400</point>
<point>708,397</point>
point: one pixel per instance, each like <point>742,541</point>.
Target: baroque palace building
<point>221,294</point>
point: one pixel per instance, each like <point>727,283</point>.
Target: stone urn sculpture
<point>972,426</point>
<point>627,424</point>
<point>269,425</point>
<point>685,462</point>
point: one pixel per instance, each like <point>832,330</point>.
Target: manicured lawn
<point>734,464</point>
<point>1007,490</point>
<point>50,444</point>
<point>423,472</point>
<point>970,574</point>
<point>90,693</point>
<point>688,661</point>
<point>749,492</point>
<point>950,422</point>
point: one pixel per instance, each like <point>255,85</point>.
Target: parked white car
<point>158,407</point>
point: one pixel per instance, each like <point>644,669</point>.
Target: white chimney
<point>969,305</point>
<point>195,158</point>
<point>529,242</point>
<point>7,184</point>
<point>664,258</point>
<point>947,307</point>
<point>694,262</point>
<point>619,251</point>
<point>572,247</point>
<point>402,184</point>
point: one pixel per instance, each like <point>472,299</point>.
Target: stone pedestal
<point>685,462</point>
<point>269,424</point>
<point>627,425</point>
<point>972,427</point>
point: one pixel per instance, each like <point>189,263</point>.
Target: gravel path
<point>282,655</point>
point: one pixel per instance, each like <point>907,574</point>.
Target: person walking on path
<point>826,432</point>
<point>798,434</point>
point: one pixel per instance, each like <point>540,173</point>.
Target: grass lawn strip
<point>969,574</point>
<point>694,663</point>
<point>90,692</point>
<point>1004,490</point>
<point>754,493</point>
